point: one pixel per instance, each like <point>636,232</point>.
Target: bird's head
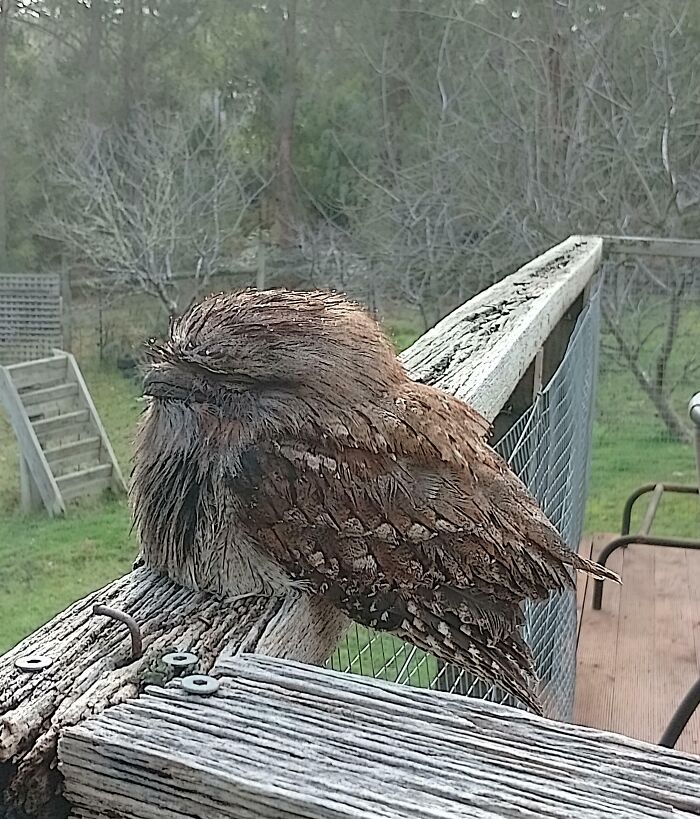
<point>273,340</point>
<point>235,369</point>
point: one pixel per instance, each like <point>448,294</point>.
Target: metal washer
<point>200,684</point>
<point>33,662</point>
<point>180,659</point>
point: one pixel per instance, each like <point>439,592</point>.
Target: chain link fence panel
<point>549,448</point>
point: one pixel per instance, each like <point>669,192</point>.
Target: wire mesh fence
<point>549,447</point>
<point>649,369</point>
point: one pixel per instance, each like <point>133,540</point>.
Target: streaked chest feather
<point>189,522</point>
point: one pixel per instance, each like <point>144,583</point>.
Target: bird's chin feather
<point>166,479</point>
<point>184,509</point>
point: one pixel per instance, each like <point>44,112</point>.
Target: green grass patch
<point>383,656</point>
<point>403,329</point>
<point>631,445</point>
<point>621,461</point>
<point>46,564</point>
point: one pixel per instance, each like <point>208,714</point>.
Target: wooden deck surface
<point>638,656</point>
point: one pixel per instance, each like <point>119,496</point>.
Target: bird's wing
<point>514,524</point>
<point>400,548</point>
<point>421,530</point>
<point>357,523</point>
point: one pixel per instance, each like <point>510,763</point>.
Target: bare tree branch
<point>145,204</point>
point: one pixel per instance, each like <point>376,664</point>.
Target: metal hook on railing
<point>129,622</point>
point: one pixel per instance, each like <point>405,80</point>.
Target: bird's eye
<point>189,344</point>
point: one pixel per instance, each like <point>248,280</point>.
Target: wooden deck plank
<point>582,579</point>
<point>640,654</point>
<point>693,558</point>
<point>692,730</point>
<point>633,703</point>
<point>597,648</point>
<point>676,663</point>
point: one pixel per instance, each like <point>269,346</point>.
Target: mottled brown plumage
<point>284,447</point>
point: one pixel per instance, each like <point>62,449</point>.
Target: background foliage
<point>409,153</point>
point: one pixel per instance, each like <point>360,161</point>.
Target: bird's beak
<point>162,382</point>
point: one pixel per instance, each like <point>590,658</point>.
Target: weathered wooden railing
<point>286,741</point>
<point>496,351</point>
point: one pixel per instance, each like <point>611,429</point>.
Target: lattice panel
<point>30,316</point>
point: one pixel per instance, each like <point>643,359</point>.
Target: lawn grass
<point>46,564</point>
<point>631,447</point>
<point>625,457</point>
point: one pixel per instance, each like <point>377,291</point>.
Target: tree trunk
<point>260,265</point>
<point>653,390</point>
<point>93,91</point>
<point>284,189</point>
<point>555,137</point>
<point>394,92</point>
<point>133,60</point>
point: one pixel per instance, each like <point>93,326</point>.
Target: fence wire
<point>649,369</point>
<point>549,447</point>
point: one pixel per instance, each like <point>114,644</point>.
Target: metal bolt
<point>180,660</point>
<point>33,662</point>
<point>200,684</point>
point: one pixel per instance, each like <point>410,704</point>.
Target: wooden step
<point>64,446</point>
<point>72,456</point>
<point>44,372</point>
<point>84,482</point>
<point>51,409</point>
<point>49,395</point>
<point>63,427</point>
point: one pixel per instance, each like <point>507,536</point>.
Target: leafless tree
<point>413,222</point>
<point>146,205</point>
<point>504,127</point>
<point>643,310</point>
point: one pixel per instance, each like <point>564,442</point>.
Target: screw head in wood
<point>179,660</point>
<point>200,684</point>
<point>33,662</point>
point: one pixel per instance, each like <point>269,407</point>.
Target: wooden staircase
<point>64,451</point>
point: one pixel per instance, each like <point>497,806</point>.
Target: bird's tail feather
<point>592,568</point>
<point>507,662</point>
